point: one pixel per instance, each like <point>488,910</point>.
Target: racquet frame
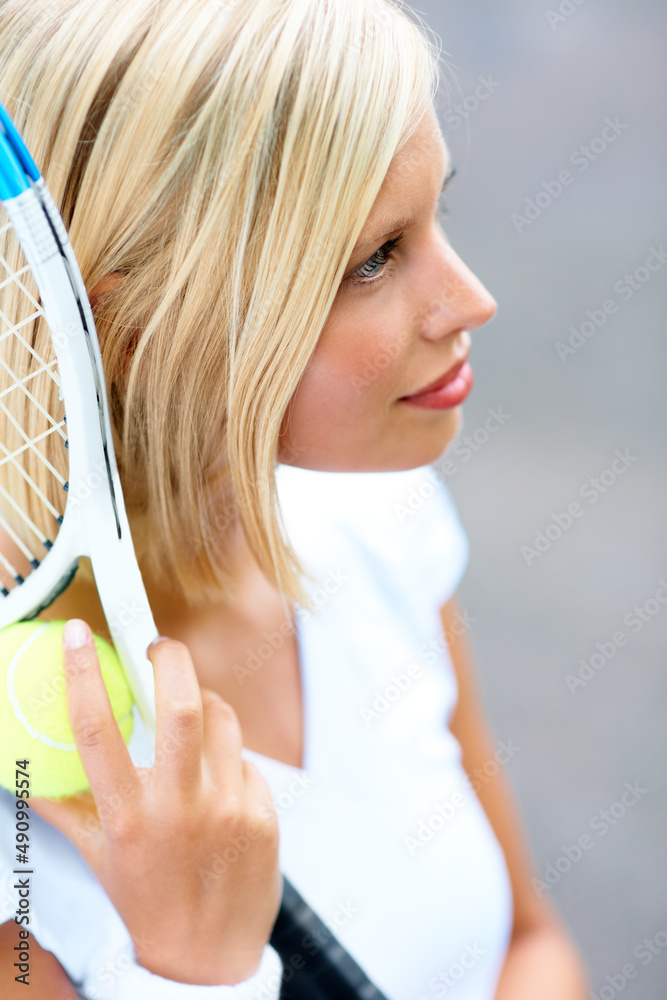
<point>94,523</point>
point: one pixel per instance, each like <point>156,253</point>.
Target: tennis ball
<point>33,710</point>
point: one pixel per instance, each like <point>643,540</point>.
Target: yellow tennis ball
<point>33,710</point>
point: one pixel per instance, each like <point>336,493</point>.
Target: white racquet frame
<point>94,522</point>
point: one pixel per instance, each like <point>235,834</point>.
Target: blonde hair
<point>220,158</point>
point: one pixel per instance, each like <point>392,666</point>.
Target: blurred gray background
<point>555,72</point>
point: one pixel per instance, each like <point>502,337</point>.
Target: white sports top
<point>381,831</point>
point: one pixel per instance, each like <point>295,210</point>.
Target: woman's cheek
<point>374,358</point>
<point>370,373</point>
<point>351,365</point>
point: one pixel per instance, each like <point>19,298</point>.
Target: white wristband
<point>137,983</point>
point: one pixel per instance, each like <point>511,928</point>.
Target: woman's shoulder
<point>397,522</point>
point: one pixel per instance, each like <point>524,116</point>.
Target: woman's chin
<point>432,446</point>
<point>402,446</point>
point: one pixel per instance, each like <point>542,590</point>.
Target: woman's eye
<point>442,212</point>
<point>376,266</point>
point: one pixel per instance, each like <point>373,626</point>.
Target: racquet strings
<point>33,430</point>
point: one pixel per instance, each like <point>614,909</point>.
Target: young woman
<point>251,189</point>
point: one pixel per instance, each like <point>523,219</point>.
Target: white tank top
<point>380,831</point>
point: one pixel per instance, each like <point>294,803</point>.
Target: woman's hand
<point>187,850</point>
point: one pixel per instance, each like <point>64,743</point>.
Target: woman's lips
<point>451,390</point>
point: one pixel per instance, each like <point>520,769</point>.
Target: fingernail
<point>159,638</point>
<point>75,633</point>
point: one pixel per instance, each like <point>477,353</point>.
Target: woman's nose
<point>461,302</point>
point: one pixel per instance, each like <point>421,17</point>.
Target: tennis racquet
<point>60,492</point>
<point>316,965</point>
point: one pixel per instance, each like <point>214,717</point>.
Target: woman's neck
<point>255,607</point>
<point>220,638</point>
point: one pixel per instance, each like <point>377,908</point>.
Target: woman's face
<point>400,323</point>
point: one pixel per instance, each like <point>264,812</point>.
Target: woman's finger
<point>223,741</point>
<point>104,755</point>
<point>178,719</point>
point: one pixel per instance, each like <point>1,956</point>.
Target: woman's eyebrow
<point>401,222</point>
